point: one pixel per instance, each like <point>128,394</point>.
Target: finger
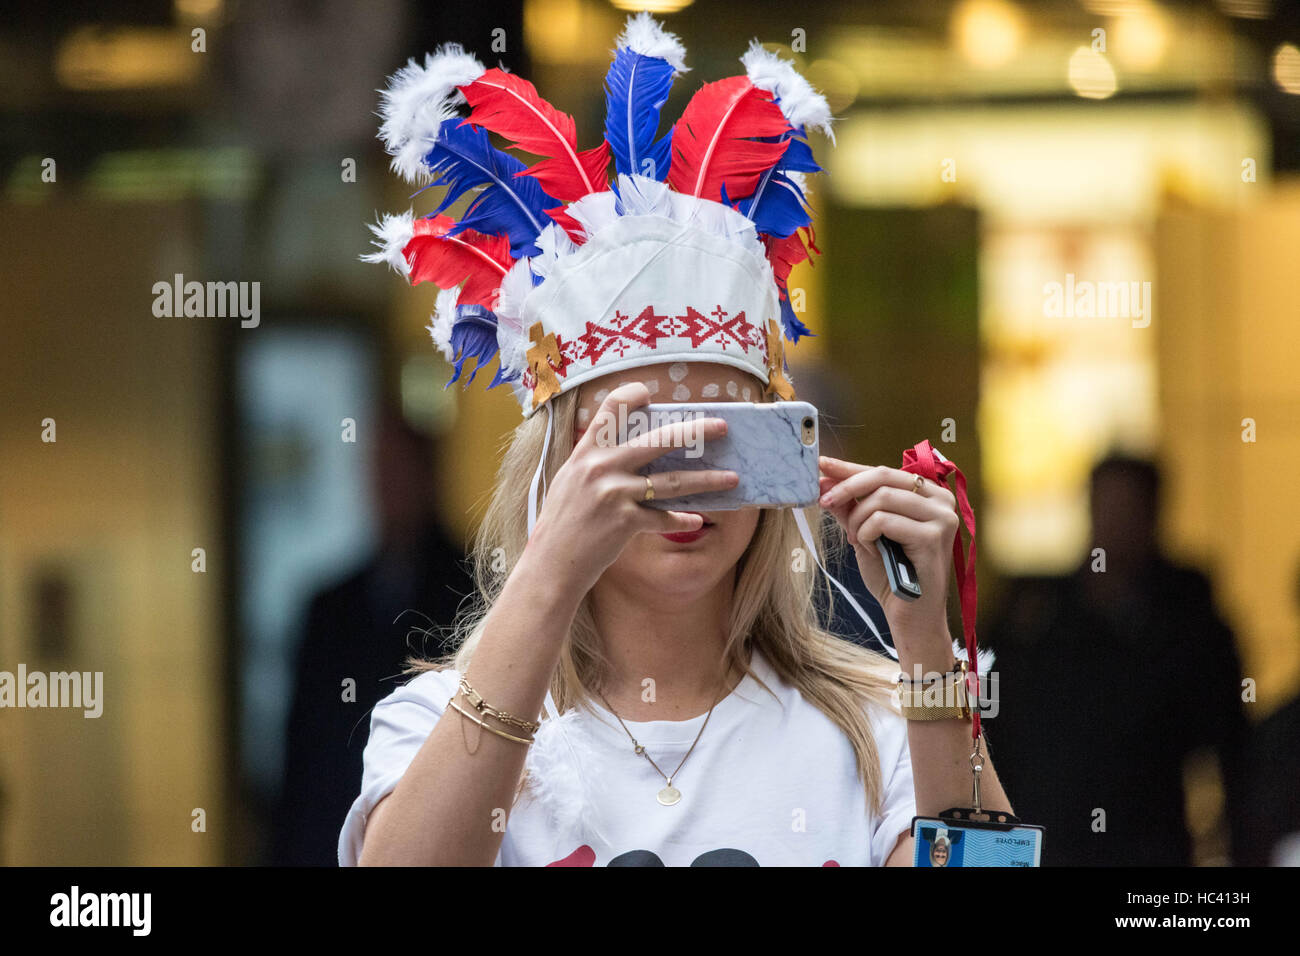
<point>862,483</point>
<point>908,532</point>
<point>670,522</point>
<point>840,511</point>
<point>675,484</point>
<point>899,501</point>
<point>644,449</point>
<point>629,395</point>
<point>853,484</point>
<point>837,469</point>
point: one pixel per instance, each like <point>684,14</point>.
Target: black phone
<point>899,569</point>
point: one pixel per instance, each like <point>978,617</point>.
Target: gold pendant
<point>669,795</point>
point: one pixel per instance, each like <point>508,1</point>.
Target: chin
<point>676,580</point>
<point>654,564</point>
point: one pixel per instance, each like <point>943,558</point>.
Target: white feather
<point>642,196</point>
<point>564,772</point>
<point>984,656</point>
<point>644,34</point>
<point>716,219</point>
<point>801,104</point>
<point>595,211</point>
<point>418,99</point>
<point>554,244</point>
<point>511,340</point>
<point>646,197</point>
<point>444,317</point>
<point>392,233</point>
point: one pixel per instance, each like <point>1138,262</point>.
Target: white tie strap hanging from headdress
<point>537,489</point>
<point>806,533</point>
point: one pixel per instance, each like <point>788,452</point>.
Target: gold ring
<point>649,489</point>
<point>916,485</point>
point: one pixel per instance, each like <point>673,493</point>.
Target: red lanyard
<point>923,460</point>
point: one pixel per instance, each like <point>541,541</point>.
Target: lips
<point>686,537</point>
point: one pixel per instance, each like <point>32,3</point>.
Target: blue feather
<point>463,158</point>
<point>778,206</point>
<point>473,335</point>
<point>636,88</point>
<point>502,376</point>
<point>790,322</point>
<point>798,156</point>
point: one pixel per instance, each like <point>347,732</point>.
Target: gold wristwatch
<point>943,699</point>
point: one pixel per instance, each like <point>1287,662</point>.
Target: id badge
<point>953,839</point>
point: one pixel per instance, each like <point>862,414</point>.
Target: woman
<point>693,712</point>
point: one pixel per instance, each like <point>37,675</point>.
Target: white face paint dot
<point>745,393</point>
<point>710,390</point>
<point>677,371</point>
<point>681,393</point>
<point>731,389</point>
<point>601,395</point>
<point>652,386</point>
<point>584,415</point>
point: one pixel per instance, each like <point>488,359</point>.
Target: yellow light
<point>191,10</point>
<point>555,32</point>
<point>1111,8</point>
<point>987,32</point>
<point>836,81</point>
<point>1247,9</point>
<point>1139,37</point>
<point>94,58</point>
<point>1091,74</point>
<point>1286,68</point>
<point>653,6</point>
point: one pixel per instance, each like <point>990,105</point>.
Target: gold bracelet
<point>483,707</point>
<point>911,697</point>
<point>500,733</point>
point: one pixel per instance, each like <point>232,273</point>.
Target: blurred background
<point>1060,242</point>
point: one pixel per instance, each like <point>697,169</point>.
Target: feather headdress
<point>645,247</point>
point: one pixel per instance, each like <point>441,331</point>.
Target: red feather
<point>511,107</point>
<point>711,144</point>
<point>570,225</point>
<point>471,257</point>
<point>785,254</point>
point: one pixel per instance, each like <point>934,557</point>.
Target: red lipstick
<point>687,537</point>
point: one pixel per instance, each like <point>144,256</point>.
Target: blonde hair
<point>772,609</point>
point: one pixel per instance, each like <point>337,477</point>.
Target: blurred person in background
<point>1118,675</point>
<point>358,629</point>
<point>1271,809</point>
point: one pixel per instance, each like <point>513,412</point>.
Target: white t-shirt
<point>768,784</point>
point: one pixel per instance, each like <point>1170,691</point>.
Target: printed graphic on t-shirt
<point>727,856</point>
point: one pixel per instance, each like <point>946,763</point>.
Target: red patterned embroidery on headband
<point>643,332</point>
<point>699,327</point>
<point>623,332</point>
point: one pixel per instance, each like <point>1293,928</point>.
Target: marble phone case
<point>763,444</point>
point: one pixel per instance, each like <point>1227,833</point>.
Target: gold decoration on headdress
<point>541,354</point>
<point>776,380</point>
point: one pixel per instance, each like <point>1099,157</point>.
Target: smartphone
<point>771,446</point>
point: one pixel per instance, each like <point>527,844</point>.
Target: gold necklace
<point>669,795</point>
